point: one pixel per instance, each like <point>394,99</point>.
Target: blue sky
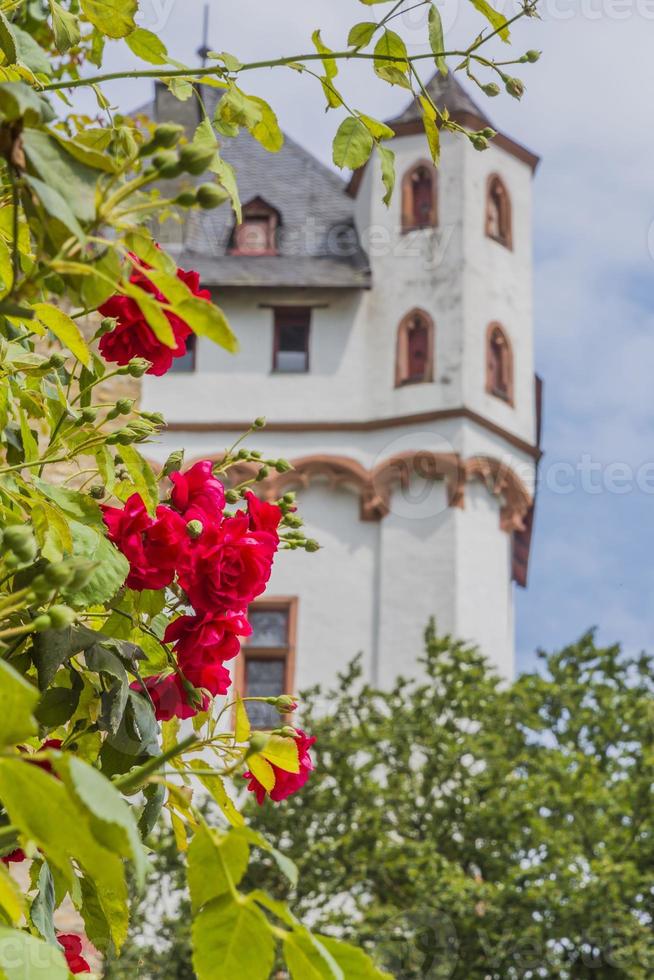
<point>588,113</point>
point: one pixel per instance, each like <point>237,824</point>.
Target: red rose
<point>133,337</point>
<point>151,546</point>
<point>72,947</point>
<point>204,643</point>
<point>14,857</point>
<point>197,493</point>
<point>228,565</point>
<point>263,516</point>
<point>170,698</point>
<point>211,636</point>
<point>286,783</point>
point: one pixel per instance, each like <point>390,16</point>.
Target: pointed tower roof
<point>446,93</point>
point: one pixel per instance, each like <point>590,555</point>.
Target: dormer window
<point>256,235</point>
<point>498,212</point>
<point>419,197</point>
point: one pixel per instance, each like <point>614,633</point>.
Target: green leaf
<point>43,809</point>
<point>431,129</point>
<point>237,108</point>
<point>153,313</point>
<point>18,702</point>
<point>64,329</point>
<point>282,752</point>
<point>142,476</point>
<point>353,144</point>
<point>71,179</point>
<point>111,819</point>
<point>73,503</point>
<point>379,130</point>
<point>227,179</point>
<point>305,960</point>
<point>56,206</point>
<point>242,722</point>
<point>355,964</point>
<point>232,940</point>
<point>497,20</point>
<point>7,40</point>
<point>30,53</point>
<point>17,101</point>
<point>387,158</point>
<point>436,38</point>
<point>329,64</point>
<point>24,957</point>
<point>147,46</point>
<point>113,18</point>
<point>361,34</point>
<point>65,27</point>
<point>216,787</point>
<point>87,153</point>
<point>267,131</point>
<point>43,906</point>
<point>57,706</point>
<point>284,863</point>
<point>111,571</point>
<point>216,864</point>
<point>391,46</point>
<point>11,897</point>
<point>203,317</point>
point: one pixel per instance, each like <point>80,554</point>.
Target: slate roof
<point>317,241</point>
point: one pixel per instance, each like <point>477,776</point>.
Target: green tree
<point>465,828</point>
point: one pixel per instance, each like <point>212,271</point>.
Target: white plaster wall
<point>417,576</point>
<point>484,591</point>
<point>335,586</point>
<point>497,285</point>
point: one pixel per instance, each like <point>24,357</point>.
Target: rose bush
<point>124,591</point>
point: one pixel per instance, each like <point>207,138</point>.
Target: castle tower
<point>391,350</point>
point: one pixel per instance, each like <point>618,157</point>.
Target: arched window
<point>499,364</point>
<point>419,197</point>
<point>415,349</point>
<point>498,212</point>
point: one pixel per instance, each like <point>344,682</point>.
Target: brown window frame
<point>279,312</point>
<point>409,222</point>
<point>288,604</point>
<point>505,234</point>
<point>505,395</point>
<point>402,378</point>
<point>257,209</point>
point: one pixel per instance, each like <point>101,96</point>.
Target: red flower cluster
<point>72,947</point>
<point>222,565</point>
<point>286,783</point>
<point>133,337</point>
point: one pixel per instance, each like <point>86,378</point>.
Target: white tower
<point>392,353</point>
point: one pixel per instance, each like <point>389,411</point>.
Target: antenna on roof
<point>203,51</point>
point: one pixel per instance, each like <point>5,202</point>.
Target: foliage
<point>463,828</point>
<point>100,654</point>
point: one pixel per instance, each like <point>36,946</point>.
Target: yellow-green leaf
<point>387,158</point>
<point>353,144</point>
<point>18,702</point>
<point>329,64</point>
<point>153,313</point>
<point>203,317</point>
<point>113,18</point>
<point>497,20</point>
<point>242,722</point>
<point>267,131</point>
<point>65,27</point>
<point>282,752</point>
<point>64,329</point>
<point>11,897</point>
<point>436,38</point>
<point>262,771</point>
<point>147,46</point>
